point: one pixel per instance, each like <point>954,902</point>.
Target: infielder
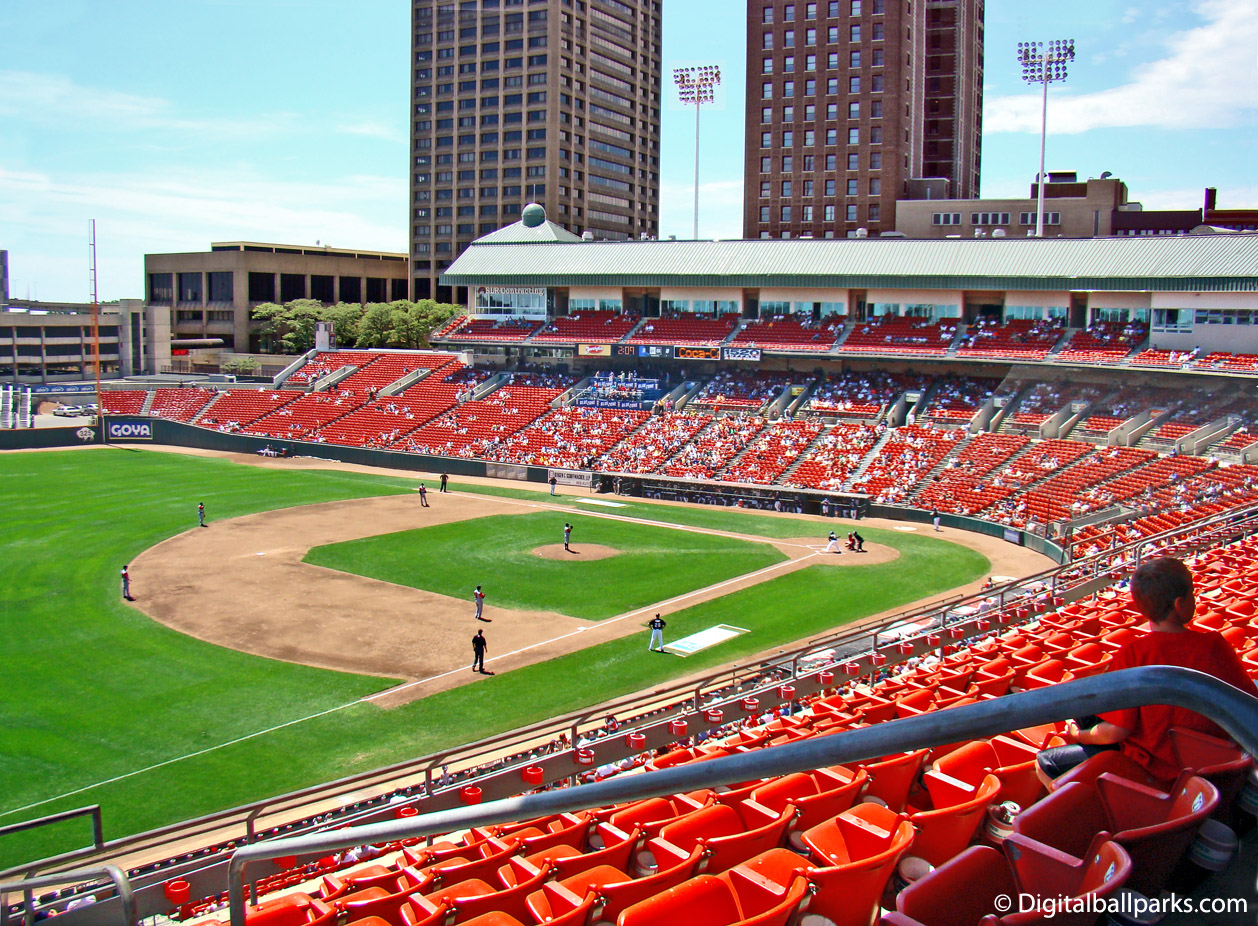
<point>479,597</point>
<point>657,626</point>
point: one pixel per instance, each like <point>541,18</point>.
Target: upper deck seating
<point>790,332</point>
<point>494,329</point>
<point>686,328</point>
<point>892,334</point>
<point>1016,339</point>
<point>590,326</point>
<point>1104,342</point>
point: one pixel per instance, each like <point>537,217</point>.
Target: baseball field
<point>320,624</point>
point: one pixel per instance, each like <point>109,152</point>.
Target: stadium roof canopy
<point>1222,263</point>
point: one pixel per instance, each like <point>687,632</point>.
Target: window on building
<point>786,213</point>
<point>851,213</point>
<point>945,218</point>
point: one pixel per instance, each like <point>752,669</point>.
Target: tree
<point>243,366</point>
<point>400,324</point>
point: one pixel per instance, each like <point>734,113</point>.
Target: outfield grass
<point>93,690</point>
<point>714,518</point>
<point>655,563</point>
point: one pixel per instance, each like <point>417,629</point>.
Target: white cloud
<point>56,100</point>
<point>173,211</point>
<point>1207,79</point>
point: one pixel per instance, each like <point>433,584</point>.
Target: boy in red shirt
<point>1162,590</point>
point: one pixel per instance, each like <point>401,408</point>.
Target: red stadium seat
<point>729,835</point>
<point>735,898</point>
<point>853,857</point>
<point>891,777</point>
<point>1010,760</point>
<point>1155,828</point>
<point>965,890</point>
<point>955,812</point>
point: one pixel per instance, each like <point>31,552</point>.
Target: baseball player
<point>657,626</point>
<point>423,495</point>
<point>479,597</point>
<point>126,584</point>
<point>567,536</point>
<point>479,646</point>
<point>834,546</point>
<point>201,514</point>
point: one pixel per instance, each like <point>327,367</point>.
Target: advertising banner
<point>697,353</point>
<point>742,353</point>
<point>130,430</point>
<point>655,350</point>
<point>594,350</point>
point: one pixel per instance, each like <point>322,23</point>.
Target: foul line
<point>791,563</point>
<point>603,623</point>
<point>191,755</point>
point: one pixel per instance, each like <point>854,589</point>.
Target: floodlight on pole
<point>1043,63</point>
<point>697,85</point>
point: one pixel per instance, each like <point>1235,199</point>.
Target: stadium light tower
<point>1043,63</point>
<point>697,85</point>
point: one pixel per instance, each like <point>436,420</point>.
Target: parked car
<point>70,411</point>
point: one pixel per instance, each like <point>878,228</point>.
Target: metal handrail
<point>113,872</point>
<point>1231,708</point>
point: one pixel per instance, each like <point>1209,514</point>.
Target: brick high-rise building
<point>847,100</point>
<point>555,102</point>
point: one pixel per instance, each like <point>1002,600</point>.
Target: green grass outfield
<point>94,691</point>
<point>655,563</point>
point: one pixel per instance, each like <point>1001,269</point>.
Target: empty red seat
<point>965,890</point>
<point>738,897</point>
<point>852,857</point>
<point>816,796</point>
<point>616,890</point>
<point>1154,827</point>
<point>291,910</point>
<point>955,812</point>
<point>1010,760</point>
<point>891,777</point>
<point>729,835</point>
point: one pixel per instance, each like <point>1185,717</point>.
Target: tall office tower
<point>954,94</point>
<point>843,98</point>
<point>549,101</point>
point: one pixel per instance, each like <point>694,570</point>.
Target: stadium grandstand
<point>1091,400</point>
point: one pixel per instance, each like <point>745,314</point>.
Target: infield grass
<point>103,705</point>
<point>654,563</point>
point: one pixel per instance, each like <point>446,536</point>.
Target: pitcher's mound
<point>581,552</point>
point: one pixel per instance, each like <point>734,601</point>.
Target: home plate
<point>688,646</point>
<point>599,501</point>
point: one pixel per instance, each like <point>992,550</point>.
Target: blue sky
<point>178,124</point>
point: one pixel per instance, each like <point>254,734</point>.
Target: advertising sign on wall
<point>594,350</point>
<point>742,353</point>
<point>697,353</point>
<point>655,350</point>
<point>130,430</point>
